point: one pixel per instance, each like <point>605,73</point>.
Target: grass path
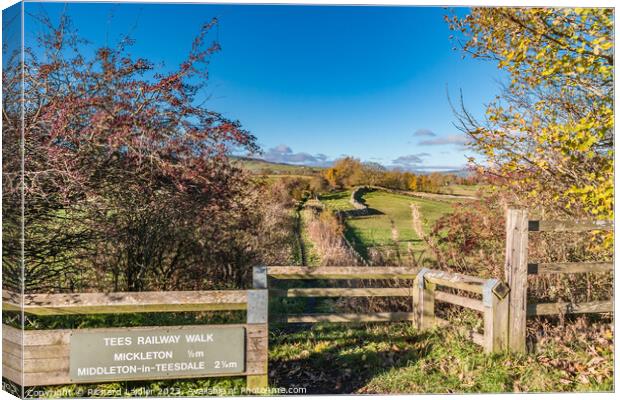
<point>394,218</point>
<point>390,220</point>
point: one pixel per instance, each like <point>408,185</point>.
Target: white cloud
<point>284,154</point>
<point>445,140</point>
<point>410,160</point>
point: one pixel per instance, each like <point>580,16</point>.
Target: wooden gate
<point>423,290</point>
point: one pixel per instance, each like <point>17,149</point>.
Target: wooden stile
<point>423,293</point>
<point>455,280</point>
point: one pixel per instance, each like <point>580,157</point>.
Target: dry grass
<point>326,234</point>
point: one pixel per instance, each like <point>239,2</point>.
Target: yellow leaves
<point>542,164</point>
<point>539,56</point>
<point>605,71</point>
<point>548,72</point>
<point>558,125</point>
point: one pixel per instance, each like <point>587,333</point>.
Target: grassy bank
<point>397,359</point>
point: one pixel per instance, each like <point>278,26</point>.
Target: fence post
<point>257,332</point>
<point>516,276</point>
<point>495,301</point>
<point>423,301</point>
<point>259,277</point>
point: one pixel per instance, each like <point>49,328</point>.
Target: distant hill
<point>463,172</point>
<point>257,165</point>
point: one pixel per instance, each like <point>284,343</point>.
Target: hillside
<point>259,166</point>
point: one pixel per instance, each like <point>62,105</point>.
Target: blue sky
<point>314,83</point>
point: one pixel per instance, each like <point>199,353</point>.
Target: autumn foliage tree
<point>345,172</point>
<point>127,182</point>
<point>349,172</point>
<point>548,138</point>
<point>547,141</point>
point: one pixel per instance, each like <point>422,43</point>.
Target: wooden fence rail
<point>125,302</point>
<point>517,268</point>
<point>348,273</point>
<point>568,267</point>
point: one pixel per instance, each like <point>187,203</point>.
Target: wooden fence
<point>42,357</point>
<point>518,267</point>
<point>423,292</point>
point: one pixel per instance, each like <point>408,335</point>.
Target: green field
<point>390,220</point>
<point>337,201</point>
<point>275,177</point>
<point>395,209</point>
<point>462,190</point>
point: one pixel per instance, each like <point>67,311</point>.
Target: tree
<point>372,173</point>
<point>125,175</point>
<point>549,137</point>
<point>413,183</point>
<point>345,172</point>
<point>331,177</point>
